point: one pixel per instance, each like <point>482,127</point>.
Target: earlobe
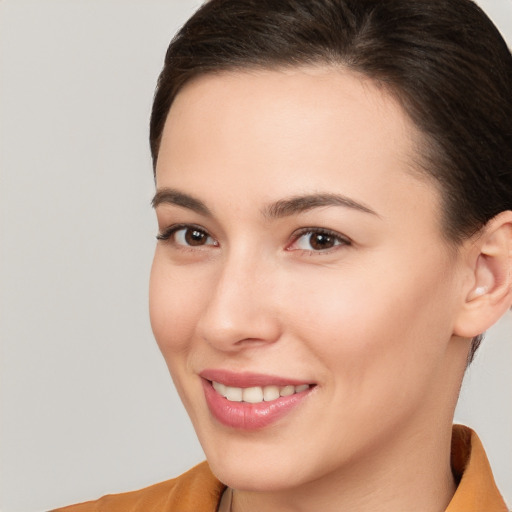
<point>490,293</point>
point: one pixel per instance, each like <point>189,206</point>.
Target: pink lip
<point>248,379</point>
<point>243,415</point>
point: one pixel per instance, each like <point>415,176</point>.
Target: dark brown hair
<point>443,60</point>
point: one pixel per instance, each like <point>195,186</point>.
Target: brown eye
<point>194,237</point>
<point>188,236</point>
<point>318,240</point>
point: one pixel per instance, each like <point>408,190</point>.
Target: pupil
<point>321,241</point>
<point>194,237</point>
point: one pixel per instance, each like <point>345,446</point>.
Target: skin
<point>372,320</point>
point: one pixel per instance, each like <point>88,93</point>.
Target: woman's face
<point>301,255</point>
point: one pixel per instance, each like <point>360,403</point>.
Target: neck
<point>413,473</point>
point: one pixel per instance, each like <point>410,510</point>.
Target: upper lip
<point>248,379</point>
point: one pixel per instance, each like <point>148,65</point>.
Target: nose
<point>241,310</point>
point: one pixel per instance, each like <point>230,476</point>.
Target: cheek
<point>378,345</point>
<point>371,324</point>
<point>174,302</point>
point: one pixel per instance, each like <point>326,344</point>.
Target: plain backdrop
<point>87,406</point>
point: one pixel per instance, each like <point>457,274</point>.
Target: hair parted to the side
<point>443,60</point>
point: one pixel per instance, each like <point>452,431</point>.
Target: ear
<point>488,293</point>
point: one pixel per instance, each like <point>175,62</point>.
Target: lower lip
<point>246,416</point>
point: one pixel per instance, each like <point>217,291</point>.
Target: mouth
<point>251,401</point>
<point>257,394</point>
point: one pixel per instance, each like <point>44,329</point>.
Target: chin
<point>261,467</point>
<point>252,478</point>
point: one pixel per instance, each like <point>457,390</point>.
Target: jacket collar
<point>476,490</point>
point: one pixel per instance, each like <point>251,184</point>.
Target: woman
<point>334,201</point>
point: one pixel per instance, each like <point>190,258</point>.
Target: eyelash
<point>339,240</point>
<point>169,233</point>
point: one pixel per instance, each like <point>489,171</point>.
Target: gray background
<point>87,406</point>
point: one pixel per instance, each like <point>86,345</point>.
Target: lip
<point>248,379</point>
<point>247,416</point>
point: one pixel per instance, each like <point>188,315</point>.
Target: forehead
<point>287,132</point>
<point>293,104</point>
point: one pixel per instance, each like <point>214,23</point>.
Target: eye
<point>318,240</point>
<point>187,236</point>
<point>193,237</point>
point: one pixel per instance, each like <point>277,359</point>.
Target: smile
<point>247,401</point>
<point>257,394</point>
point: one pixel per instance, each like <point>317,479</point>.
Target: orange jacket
<point>198,490</point>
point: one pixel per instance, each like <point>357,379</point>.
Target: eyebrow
<point>300,204</point>
<point>278,209</point>
<point>172,196</point>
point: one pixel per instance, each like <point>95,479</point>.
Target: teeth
<point>252,395</point>
<point>220,388</point>
<point>287,390</point>
<point>257,394</point>
<point>233,394</point>
<point>270,393</point>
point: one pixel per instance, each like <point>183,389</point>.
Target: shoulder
<point>197,490</point>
